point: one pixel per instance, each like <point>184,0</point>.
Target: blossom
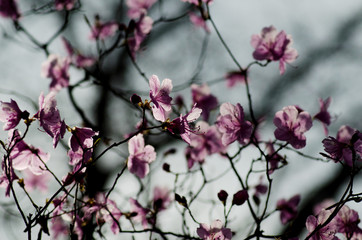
<point>77,58</point>
<point>291,125</point>
<point>198,21</point>
<point>136,8</point>
<point>339,148</point>
<point>181,125</point>
<point>49,117</point>
<point>232,125</point>
<point>273,46</point>
<point>24,156</point>
<point>56,68</point>
<point>347,221</point>
<point>214,232</point>
<point>140,156</point>
<point>81,145</point>
<point>288,208</point>
<point>161,198</point>
<point>273,158</point>
<point>9,9</point>
<point>64,4</point>
<point>201,95</point>
<point>240,197</point>
<point>141,212</point>
<point>4,179</point>
<point>33,181</point>
<point>11,114</point>
<point>323,115</point>
<point>102,30</point>
<point>159,94</point>
<point>325,233</point>
<point>233,77</point>
<point>141,29</point>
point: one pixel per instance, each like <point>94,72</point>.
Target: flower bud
<point>223,195</point>
<point>240,197</point>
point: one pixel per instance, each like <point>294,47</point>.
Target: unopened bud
<point>240,197</point>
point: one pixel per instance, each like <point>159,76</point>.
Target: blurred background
<point>327,36</point>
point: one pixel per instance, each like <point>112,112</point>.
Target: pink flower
<point>273,46</point>
<point>288,209</point>
<point>64,4</point>
<point>11,115</point>
<point>9,9</point>
<point>49,117</point>
<point>4,179</point>
<point>81,145</point>
<point>102,30</point>
<point>141,29</point>
<point>232,125</point>
<point>24,156</point>
<point>56,68</point>
<point>78,59</point>
<point>161,198</point>
<point>347,221</point>
<point>214,232</point>
<point>273,158</point>
<point>140,211</point>
<point>291,125</point>
<point>339,149</point>
<point>33,181</point>
<point>181,125</point>
<point>233,77</point>
<point>323,115</point>
<point>325,233</point>
<point>198,21</point>
<point>201,95</point>
<point>160,97</point>
<point>140,156</point>
<point>137,8</point>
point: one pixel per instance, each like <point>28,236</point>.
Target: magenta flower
<point>11,115</point>
<point>181,125</point>
<point>140,156</point>
<point>214,232</point>
<point>78,59</point>
<point>49,117</point>
<point>273,46</point>
<point>201,95</point>
<point>339,148</point>
<point>101,31</point>
<point>203,144</point>
<point>24,156</point>
<point>137,8</point>
<point>64,4</point>
<point>347,221</point>
<point>323,115</point>
<point>9,9</point>
<point>288,209</point>
<point>234,77</point>
<point>160,97</point>
<point>291,125</point>
<point>198,21</point>
<point>232,125</point>
<point>33,181</point>
<point>161,198</point>
<point>81,145</point>
<point>325,233</point>
<point>56,68</point>
<point>141,29</point>
<point>140,211</point>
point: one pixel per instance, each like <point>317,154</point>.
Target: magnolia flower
<point>64,4</point>
<point>11,115</point>
<point>288,209</point>
<point>291,125</point>
<point>102,30</point>
<point>159,94</point>
<point>347,221</point>
<point>4,179</point>
<point>49,117</point>
<point>232,125</point>
<point>323,115</point>
<point>273,46</point>
<point>9,9</point>
<point>140,156</point>
<point>78,59</point>
<point>201,95</point>
<point>161,198</point>
<point>273,158</point>
<point>33,181</point>
<point>56,68</point>
<point>81,145</point>
<point>140,211</point>
<point>325,233</point>
<point>136,8</point>
<point>214,232</point>
<point>141,29</point>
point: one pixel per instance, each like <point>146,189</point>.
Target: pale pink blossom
<point>141,212</point>
<point>140,156</point>
<point>39,182</point>
<point>273,46</point>
<point>160,97</point>
<point>9,9</point>
<point>201,95</point>
<point>4,179</point>
<point>325,233</point>
<point>64,4</point>
<point>56,68</point>
<point>11,115</point>
<point>214,232</point>
<point>141,29</point>
<point>347,221</point>
<point>232,125</point>
<point>76,57</point>
<point>102,30</point>
<point>161,198</point>
<point>137,8</point>
<point>291,125</point>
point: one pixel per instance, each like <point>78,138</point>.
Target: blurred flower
<point>201,95</point>
<point>288,208</point>
<point>137,8</point>
<point>160,97</point>
<point>9,9</point>
<point>141,29</point>
<point>78,59</point>
<point>323,115</point>
<point>56,68</point>
<point>11,115</point>
<point>141,212</point>
<point>102,30</point>
<point>233,77</point>
<point>214,232</point>
<point>198,21</point>
<point>64,4</point>
<point>161,198</point>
